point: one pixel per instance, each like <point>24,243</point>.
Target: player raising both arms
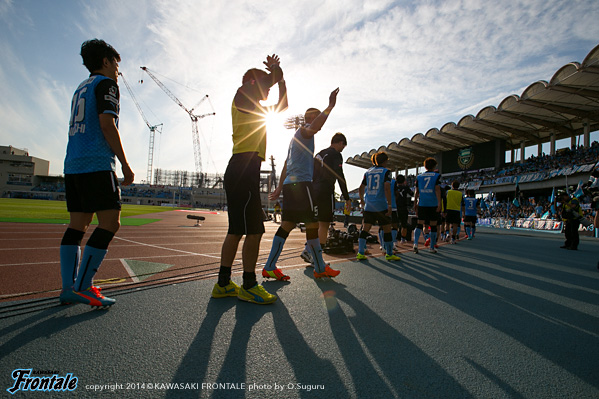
<point>242,181</point>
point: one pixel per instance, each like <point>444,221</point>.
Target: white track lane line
<point>132,275</point>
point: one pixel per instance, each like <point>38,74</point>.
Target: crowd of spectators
<point>564,157</point>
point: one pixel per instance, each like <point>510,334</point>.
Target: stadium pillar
<point>552,151</point>
<point>587,133</point>
<point>512,159</point>
<point>539,149</point>
<point>573,141</point>
<point>522,157</point>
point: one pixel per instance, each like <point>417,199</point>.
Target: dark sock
<point>224,276</point>
<point>249,280</point>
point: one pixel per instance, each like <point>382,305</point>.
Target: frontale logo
<point>24,381</point>
<point>465,158</point>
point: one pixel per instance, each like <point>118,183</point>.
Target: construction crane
<point>194,119</point>
<point>153,129</point>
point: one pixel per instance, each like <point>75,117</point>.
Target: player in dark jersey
<point>90,179</point>
<point>328,169</point>
<point>403,195</point>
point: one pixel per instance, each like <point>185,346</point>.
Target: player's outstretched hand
<point>128,175</point>
<point>272,60</point>
<point>333,98</point>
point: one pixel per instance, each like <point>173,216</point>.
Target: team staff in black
<point>403,196</point>
<point>571,215</point>
<point>328,169</point>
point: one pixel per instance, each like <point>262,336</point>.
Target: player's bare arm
<point>275,194</point>
<point>319,121</point>
<point>113,138</point>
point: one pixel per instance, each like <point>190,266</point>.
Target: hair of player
<point>379,158</point>
<point>430,163</point>
<point>455,185</point>
<point>94,51</point>
<point>339,138</point>
<point>400,179</point>
<point>253,74</point>
<point>311,114</point>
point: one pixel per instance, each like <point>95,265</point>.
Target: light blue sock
<point>467,228</point>
<point>417,233</point>
<point>381,240</point>
<point>316,251</point>
<point>433,239</point>
<point>90,262</point>
<point>388,247</point>
<point>362,245</point>
<point>459,230</point>
<point>275,251</point>
<point>394,235</point>
<point>69,263</point>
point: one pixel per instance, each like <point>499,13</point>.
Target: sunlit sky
<point>402,67</point>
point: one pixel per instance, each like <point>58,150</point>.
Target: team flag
<point>579,193</point>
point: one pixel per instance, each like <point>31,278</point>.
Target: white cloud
<point>403,68</point>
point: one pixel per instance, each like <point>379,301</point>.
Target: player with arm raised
<point>298,197</point>
<point>242,181</point>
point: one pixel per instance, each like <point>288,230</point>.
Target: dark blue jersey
<point>87,149</point>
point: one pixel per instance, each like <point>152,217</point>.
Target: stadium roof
<point>561,106</point>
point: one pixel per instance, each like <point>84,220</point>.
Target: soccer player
<point>471,208</point>
<point>328,169</point>
<point>455,199</point>
<point>427,202</point>
<point>403,195</point>
<point>242,181</point>
<point>375,198</point>
<point>394,218</point>
<point>90,179</point>
<point>298,204</point>
<point>571,215</point>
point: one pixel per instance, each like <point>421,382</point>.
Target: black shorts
<point>470,219</point>
<point>454,216</point>
<point>402,217</point>
<point>325,204</point>
<point>92,192</point>
<point>242,186</point>
<point>376,218</point>
<point>428,214</point>
<point>394,217</point>
<point>298,203</point>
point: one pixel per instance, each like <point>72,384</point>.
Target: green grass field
<point>43,211</point>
